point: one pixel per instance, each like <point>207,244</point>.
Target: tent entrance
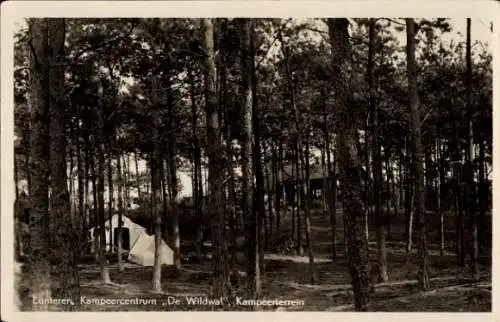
<point>125,238</point>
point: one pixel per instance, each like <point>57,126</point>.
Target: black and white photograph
<point>234,163</point>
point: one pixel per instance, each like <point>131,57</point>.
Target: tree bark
<point>307,205</point>
<point>259,207</point>
<point>415,126</point>
<point>38,250</point>
<point>471,184</point>
<point>440,179</point>
<point>120,212</point>
<point>197,170</point>
<point>377,163</point>
<point>105,278</point>
<point>173,183</point>
<point>137,175</point>
<point>110,195</point>
<point>248,192</point>
<point>329,198</point>
<point>350,167</point>
<point>81,187</point>
<point>155,164</point>
<point>215,163</point>
<point>66,239</point>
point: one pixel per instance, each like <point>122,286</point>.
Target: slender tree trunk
<point>423,260</point>
<point>270,196</point>
<point>216,171</point>
<point>155,165</point>
<point>273,185</point>
<point>440,179</point>
<point>471,184</point>
<point>329,199</point>
<point>387,217</point>
<point>350,167</point>
<point>137,175</point>
<point>69,153</point>
<point>165,201</point>
<point>125,178</point>
<point>81,188</point>
<point>377,164</point>
<point>119,238</point>
<point>173,183</point>
<point>253,268</point>
<point>110,197</point>
<point>197,171</point>
<point>105,278</point>
<point>87,163</point>
<point>483,197</point>
<point>38,247</point>
<point>278,186</point>
<point>18,213</point>
<point>259,209</point>
<point>312,268</point>
<point>294,188</point>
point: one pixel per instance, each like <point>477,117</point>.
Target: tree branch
<point>104,43</point>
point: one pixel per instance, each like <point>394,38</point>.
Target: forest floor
<point>288,278</point>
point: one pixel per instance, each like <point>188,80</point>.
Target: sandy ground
<point>287,279</point>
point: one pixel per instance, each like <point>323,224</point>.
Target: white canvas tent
<point>142,245</point>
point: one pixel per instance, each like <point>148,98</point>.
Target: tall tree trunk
<point>173,183</point>
<point>38,247</point>
<point>110,195</point>
<point>197,184</point>
<point>69,153</point>
<point>155,164</point>
<point>327,182</point>
<point>440,180</point>
<point>215,164</point>
<point>95,212</point>
<point>350,167</point>
<point>307,205</point>
<point>471,185</point>
<point>165,200</point>
<point>278,186</point>
<point>387,217</point>
<point>66,240</point>
<point>18,213</point>
<point>415,126</point>
<point>125,178</point>
<point>259,208</point>
<point>105,278</point>
<point>298,141</point>
<point>81,187</point>
<point>483,196</point>
<point>87,163</point>
<point>377,163</point>
<point>251,235</point>
<point>119,236</point>
<point>332,171</point>
<point>274,185</point>
<point>137,175</point>
<point>294,189</point>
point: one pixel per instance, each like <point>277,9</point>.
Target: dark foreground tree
<point>418,156</point>
<point>38,246</point>
<point>251,234</point>
<point>377,160</point>
<point>349,165</point>
<point>65,241</point>
<point>215,163</point>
